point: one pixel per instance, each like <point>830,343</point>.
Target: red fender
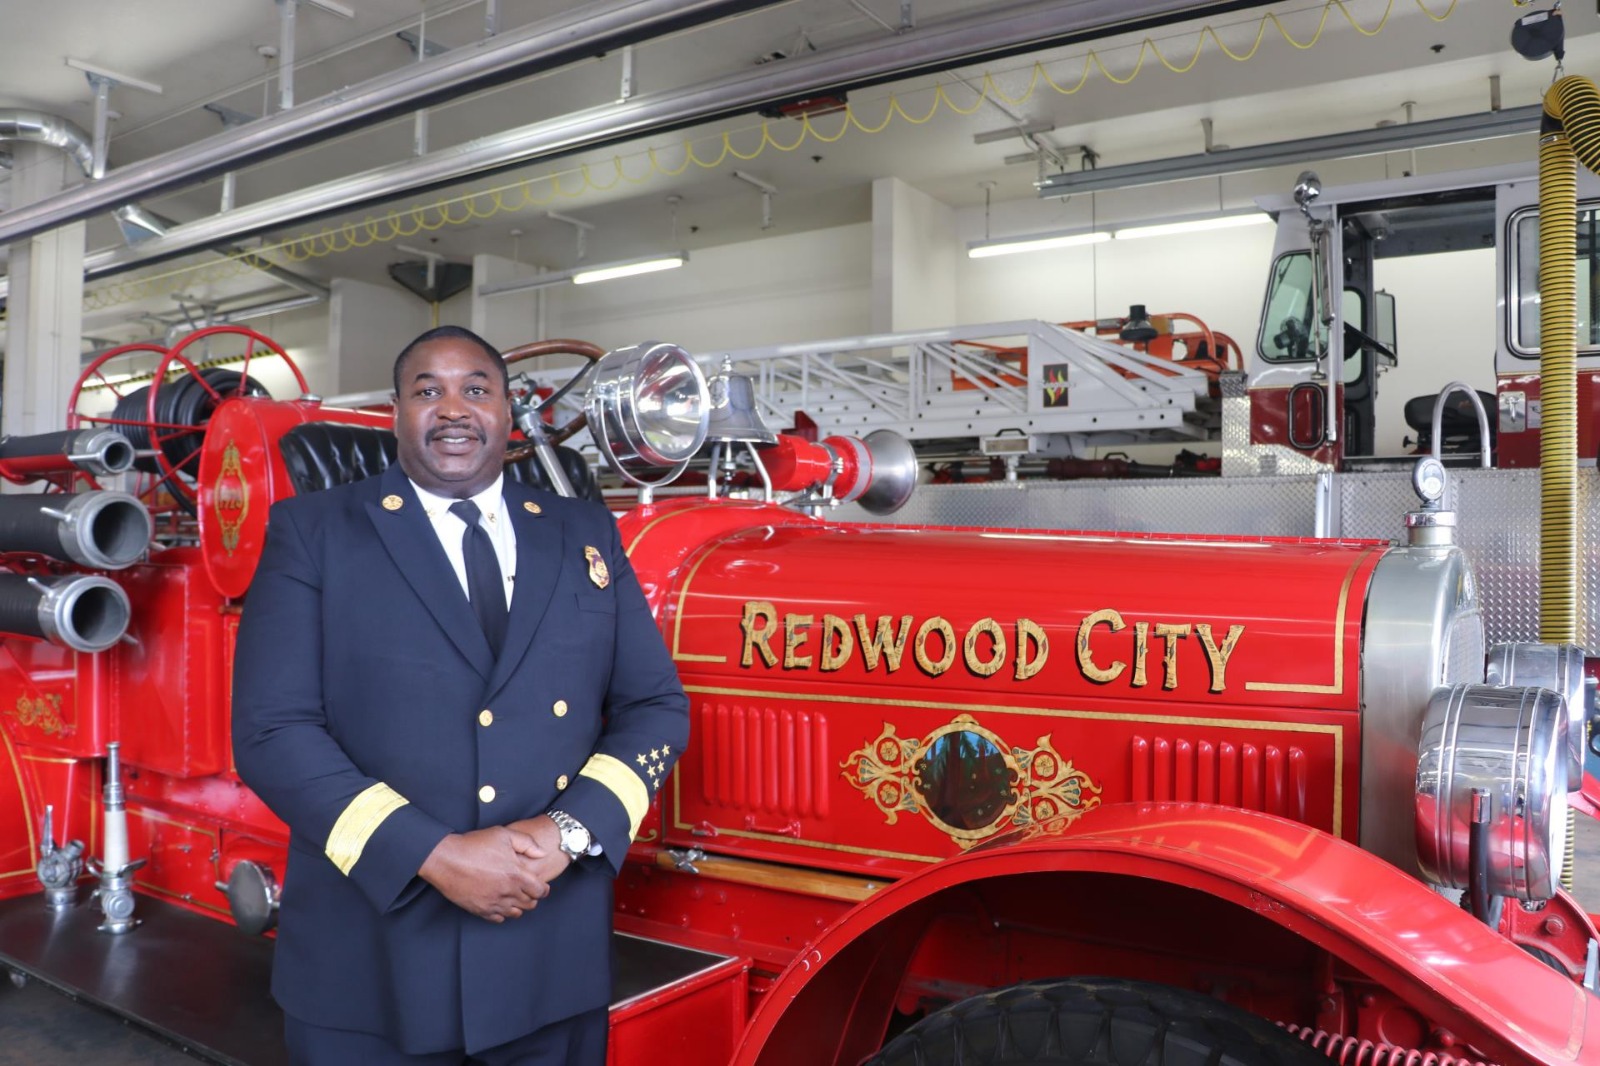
<point>1332,894</point>
<point>18,848</point>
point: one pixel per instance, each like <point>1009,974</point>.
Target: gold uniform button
<point>486,793</point>
<point>531,507</point>
<point>560,708</point>
<point>486,718</point>
<point>561,782</point>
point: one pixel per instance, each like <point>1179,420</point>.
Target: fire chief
<point>451,689</point>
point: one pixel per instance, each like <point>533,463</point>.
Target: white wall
<point>914,252</point>
<point>1445,319</point>
<point>790,287</point>
<point>368,325</point>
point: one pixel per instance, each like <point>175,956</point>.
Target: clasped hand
<point>500,872</point>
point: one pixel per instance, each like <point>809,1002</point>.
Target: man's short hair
<point>459,333</point>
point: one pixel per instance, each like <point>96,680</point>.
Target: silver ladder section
<point>1077,391</point>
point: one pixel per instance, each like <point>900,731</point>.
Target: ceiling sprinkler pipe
<point>575,34</point>
<point>932,46</point>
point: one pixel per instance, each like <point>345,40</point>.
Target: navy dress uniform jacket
<point>371,716</point>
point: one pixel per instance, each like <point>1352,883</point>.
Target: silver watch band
<point>564,822</point>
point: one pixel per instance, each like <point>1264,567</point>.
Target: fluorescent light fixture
<point>1192,225</point>
<point>1398,138</point>
<point>583,275</point>
<point>1038,242</point>
<point>626,270</point>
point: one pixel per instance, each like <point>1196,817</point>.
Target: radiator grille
<point>764,759</point>
<point>1263,777</point>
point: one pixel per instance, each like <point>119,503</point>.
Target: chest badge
<point>392,503</point>
<point>597,567</point>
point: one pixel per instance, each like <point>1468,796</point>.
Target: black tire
<point>1094,1021</point>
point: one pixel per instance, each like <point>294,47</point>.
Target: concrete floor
<point>42,1027</point>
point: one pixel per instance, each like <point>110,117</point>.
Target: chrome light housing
<point>1559,668</point>
<point>1510,742</point>
<point>647,411</point>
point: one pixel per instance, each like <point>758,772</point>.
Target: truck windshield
<point>1286,324</point>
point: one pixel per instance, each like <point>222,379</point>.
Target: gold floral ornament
<point>968,781</point>
<point>43,714</point>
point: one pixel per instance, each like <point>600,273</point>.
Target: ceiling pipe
<point>931,46</point>
<point>136,223</point>
<point>573,35</point>
<point>37,127</point>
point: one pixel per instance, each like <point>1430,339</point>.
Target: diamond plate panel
<point>1257,506</point>
<point>1497,512</point>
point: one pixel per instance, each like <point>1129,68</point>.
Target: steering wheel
<point>1367,341</point>
<point>592,352</point>
<point>1292,338</point>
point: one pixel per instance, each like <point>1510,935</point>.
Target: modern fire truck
<point>955,794</point>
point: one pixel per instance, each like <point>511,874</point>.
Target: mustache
<point>457,431</point>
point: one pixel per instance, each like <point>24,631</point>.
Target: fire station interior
<point>979,269</point>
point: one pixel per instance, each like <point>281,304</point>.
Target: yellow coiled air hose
<point>1570,132</point>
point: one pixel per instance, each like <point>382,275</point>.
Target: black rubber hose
<point>184,402</point>
<point>80,611</point>
<point>104,530</point>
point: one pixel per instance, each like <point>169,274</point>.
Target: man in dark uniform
<point>461,766</point>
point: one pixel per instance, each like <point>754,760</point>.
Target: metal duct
<point>38,128</point>
<point>580,33</point>
<point>933,46</point>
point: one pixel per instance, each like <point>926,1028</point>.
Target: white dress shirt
<point>494,518</point>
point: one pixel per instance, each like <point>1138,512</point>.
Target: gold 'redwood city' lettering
<point>986,648</point>
<point>803,642</point>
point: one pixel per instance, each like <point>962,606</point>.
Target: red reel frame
<point>91,373</point>
<point>157,435</point>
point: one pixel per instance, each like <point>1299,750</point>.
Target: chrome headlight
<point>1510,742</point>
<point>1559,668</point>
<point>647,411</point>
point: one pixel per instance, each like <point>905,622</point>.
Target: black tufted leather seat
<point>1458,422</point>
<point>320,455</point>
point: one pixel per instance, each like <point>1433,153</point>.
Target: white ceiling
<point>205,51</point>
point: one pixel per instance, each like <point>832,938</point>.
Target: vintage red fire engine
<point>976,795</point>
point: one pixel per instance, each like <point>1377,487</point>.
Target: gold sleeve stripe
<point>628,787</point>
<point>358,822</point>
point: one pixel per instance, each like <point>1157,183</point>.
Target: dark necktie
<point>485,585</point>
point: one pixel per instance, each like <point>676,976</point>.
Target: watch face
<point>574,840</point>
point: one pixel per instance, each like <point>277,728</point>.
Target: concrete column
<point>368,325</point>
<point>512,319</point>
<point>914,258</point>
<point>44,327</point>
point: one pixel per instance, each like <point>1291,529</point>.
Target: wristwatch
<point>576,841</point>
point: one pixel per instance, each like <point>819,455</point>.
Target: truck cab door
<point>1291,427</point>
<point>1516,358</point>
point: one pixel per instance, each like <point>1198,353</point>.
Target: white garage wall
<point>1445,321</point>
<point>789,287</point>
